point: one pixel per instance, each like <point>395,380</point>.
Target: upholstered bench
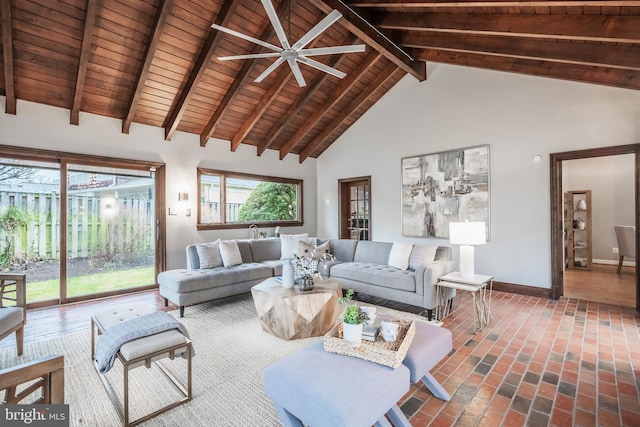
<point>141,352</point>
<point>319,389</point>
<point>429,346</point>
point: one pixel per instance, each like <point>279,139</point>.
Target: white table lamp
<point>467,234</point>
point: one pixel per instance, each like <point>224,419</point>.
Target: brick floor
<point>539,363</point>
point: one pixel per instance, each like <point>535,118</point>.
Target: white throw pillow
<point>422,254</point>
<point>289,244</point>
<point>230,253</point>
<point>209,254</point>
<point>399,255</point>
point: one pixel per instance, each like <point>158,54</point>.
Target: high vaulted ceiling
<point>156,61</point>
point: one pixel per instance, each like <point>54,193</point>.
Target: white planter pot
<point>352,333</point>
<point>287,275</point>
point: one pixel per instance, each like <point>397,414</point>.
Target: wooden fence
<point>94,226</point>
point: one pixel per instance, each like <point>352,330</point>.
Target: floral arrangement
<point>307,264</point>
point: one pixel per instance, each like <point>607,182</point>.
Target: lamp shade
<point>467,233</point>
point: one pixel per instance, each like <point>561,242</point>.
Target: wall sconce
<point>183,197</point>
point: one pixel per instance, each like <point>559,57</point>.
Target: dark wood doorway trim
<point>345,225</point>
<point>557,240</point>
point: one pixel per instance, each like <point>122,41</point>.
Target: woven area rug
<point>232,352</point>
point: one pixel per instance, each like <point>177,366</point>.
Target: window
<point>235,200</point>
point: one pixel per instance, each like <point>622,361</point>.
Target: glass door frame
<point>64,159</point>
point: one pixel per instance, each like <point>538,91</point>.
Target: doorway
<point>355,208</point>
<point>601,272</point>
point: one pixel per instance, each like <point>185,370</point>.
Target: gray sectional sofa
<point>361,265</point>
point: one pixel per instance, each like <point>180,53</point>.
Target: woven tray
<point>379,351</point>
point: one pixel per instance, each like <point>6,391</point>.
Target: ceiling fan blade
<point>269,69</point>
<point>275,21</point>
<point>332,50</point>
<point>320,66</point>
<point>317,30</point>
<point>246,37</point>
<point>297,72</point>
<point>249,56</point>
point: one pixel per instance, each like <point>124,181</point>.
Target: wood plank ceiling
<point>155,61</point>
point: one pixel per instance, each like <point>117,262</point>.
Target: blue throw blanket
<point>113,338</point>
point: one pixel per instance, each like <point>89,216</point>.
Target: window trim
<point>223,190</point>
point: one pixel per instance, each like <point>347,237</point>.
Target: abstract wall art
<point>445,187</point>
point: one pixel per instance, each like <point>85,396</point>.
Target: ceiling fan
<point>295,53</point>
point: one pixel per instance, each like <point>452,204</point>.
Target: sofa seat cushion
<point>375,274</point>
<point>182,280</point>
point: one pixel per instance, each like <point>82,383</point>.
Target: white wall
<point>611,181</point>
<point>518,116</point>
<point>40,126</point>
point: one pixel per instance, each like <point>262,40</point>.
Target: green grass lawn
<point>92,283</point>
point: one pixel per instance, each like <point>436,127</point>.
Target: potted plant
<point>353,320</point>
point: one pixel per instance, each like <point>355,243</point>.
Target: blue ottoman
<point>319,388</point>
<point>429,346</point>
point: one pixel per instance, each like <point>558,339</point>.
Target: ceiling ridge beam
<point>606,28</point>
<point>7,55</point>
<point>210,44</point>
<point>346,112</point>
<point>610,55</point>
<point>374,38</point>
<point>149,53</point>
<point>89,23</point>
<point>629,79</point>
<point>334,98</point>
<point>407,5</point>
<point>295,108</point>
<point>239,81</point>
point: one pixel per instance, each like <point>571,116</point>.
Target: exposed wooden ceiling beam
<point>415,4</point>
<point>629,79</point>
<point>239,81</point>
<point>89,21</point>
<point>604,28</point>
<point>152,45</point>
<point>357,102</point>
<point>281,81</point>
<point>599,54</point>
<point>334,98</point>
<point>213,39</point>
<point>7,55</point>
<point>372,37</point>
<point>293,110</point>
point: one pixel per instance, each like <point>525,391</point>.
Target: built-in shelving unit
<point>578,243</point>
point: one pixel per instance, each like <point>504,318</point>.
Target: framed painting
<point>440,188</point>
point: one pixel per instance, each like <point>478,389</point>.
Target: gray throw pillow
<point>209,254</point>
<point>422,254</point>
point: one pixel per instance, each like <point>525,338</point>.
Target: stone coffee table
<point>292,314</point>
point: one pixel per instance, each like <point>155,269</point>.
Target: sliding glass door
<point>80,226</point>
<point>30,225</point>
<point>110,232</point>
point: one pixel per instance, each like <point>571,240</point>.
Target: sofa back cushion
<point>245,251</point>
<point>343,249</point>
<point>374,252</point>
<point>265,249</point>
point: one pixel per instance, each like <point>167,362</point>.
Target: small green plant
<point>353,314</point>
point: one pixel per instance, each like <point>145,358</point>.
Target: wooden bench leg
<point>20,340</point>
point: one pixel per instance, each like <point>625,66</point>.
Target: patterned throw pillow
<point>230,253</point>
<point>209,254</point>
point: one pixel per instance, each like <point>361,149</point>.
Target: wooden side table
<point>477,286</point>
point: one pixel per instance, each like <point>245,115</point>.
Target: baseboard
<point>609,262</point>
<point>522,290</point>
